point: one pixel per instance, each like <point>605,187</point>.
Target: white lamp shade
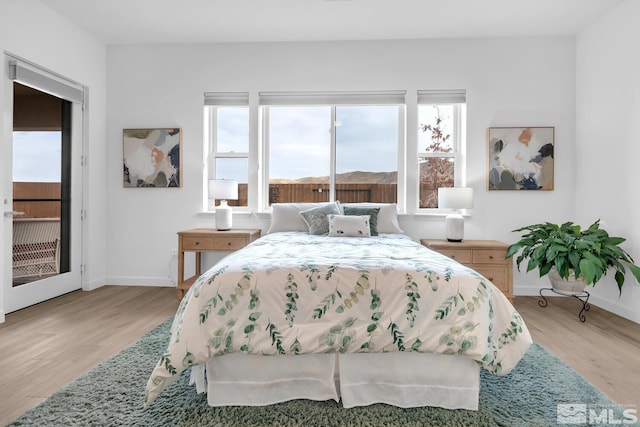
<point>223,189</point>
<point>455,198</point>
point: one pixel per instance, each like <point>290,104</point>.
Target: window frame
<point>457,99</point>
<point>332,100</point>
<point>408,150</point>
<point>212,103</point>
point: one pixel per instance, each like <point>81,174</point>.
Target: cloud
<point>300,138</point>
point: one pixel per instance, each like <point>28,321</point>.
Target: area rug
<point>112,395</point>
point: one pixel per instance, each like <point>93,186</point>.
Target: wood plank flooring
<point>52,343</point>
<point>605,349</point>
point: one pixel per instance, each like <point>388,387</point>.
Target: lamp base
<point>454,227</point>
<point>223,216</point>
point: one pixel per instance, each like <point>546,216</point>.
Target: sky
<point>300,140</point>
<point>36,156</point>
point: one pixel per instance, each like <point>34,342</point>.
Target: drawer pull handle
<point>197,243</point>
<point>228,243</point>
<point>453,257</point>
<point>490,256</point>
<point>491,279</point>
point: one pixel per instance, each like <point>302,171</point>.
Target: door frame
<point>15,298</point>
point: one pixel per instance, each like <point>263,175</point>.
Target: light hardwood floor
<point>605,349</point>
<point>52,343</point>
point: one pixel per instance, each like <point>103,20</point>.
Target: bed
<point>306,312</point>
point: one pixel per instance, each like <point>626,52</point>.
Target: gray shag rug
<point>112,394</point>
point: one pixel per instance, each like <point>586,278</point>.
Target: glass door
<point>46,197</point>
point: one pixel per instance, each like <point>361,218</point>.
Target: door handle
<point>9,214</point>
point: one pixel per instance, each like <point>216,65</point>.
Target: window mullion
<point>213,124</point>
<point>231,155</point>
<point>332,167</point>
<point>265,157</point>
<point>437,154</point>
<point>459,179</point>
<point>208,153</point>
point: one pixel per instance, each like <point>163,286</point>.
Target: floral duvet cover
<point>293,293</point>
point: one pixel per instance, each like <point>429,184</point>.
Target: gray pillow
<point>316,218</point>
<point>372,212</point>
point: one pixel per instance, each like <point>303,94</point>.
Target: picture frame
<point>521,158</point>
<point>152,157</point>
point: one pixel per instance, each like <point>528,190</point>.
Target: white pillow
<point>387,217</point>
<point>349,226</point>
<point>286,216</point>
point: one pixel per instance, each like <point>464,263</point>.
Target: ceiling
<point>211,21</point>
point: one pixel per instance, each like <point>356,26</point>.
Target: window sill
<point>238,215</point>
<point>431,216</point>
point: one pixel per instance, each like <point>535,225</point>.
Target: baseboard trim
<point>93,284</point>
<point>161,282</point>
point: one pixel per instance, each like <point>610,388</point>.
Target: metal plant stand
<point>583,297</point>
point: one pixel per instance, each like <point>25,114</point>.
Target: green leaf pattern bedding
<point>292,293</point>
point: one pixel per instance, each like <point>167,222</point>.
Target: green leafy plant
<point>585,253</point>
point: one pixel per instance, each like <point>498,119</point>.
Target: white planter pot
<point>570,286</point>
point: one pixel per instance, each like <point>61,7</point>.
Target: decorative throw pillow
<point>316,218</point>
<point>286,216</point>
<point>372,212</point>
<point>387,217</point>
<point>349,226</point>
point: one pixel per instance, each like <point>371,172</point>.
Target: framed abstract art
<point>521,158</point>
<point>151,157</point>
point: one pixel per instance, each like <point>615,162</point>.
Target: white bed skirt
<point>399,379</point>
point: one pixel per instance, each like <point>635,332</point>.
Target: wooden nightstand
<point>201,240</point>
<point>487,257</point>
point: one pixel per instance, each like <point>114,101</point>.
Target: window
<point>346,146</point>
<point>344,149</point>
<point>227,128</point>
<point>441,119</point>
<point>299,155</point>
<point>367,139</point>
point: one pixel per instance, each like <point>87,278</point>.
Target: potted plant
<point>574,254</point>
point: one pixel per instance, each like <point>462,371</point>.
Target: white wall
<point>588,89</point>
<point>34,32</point>
<point>608,132</point>
<point>509,82</point>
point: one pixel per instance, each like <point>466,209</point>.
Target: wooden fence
<point>37,199</point>
<point>316,193</point>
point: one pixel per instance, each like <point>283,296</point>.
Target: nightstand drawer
<point>207,243</point>
<point>229,243</point>
<point>197,243</point>
<point>463,256</point>
<point>488,256</point>
<point>496,275</point>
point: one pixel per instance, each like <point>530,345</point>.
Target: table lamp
<point>223,190</point>
<point>455,198</point>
